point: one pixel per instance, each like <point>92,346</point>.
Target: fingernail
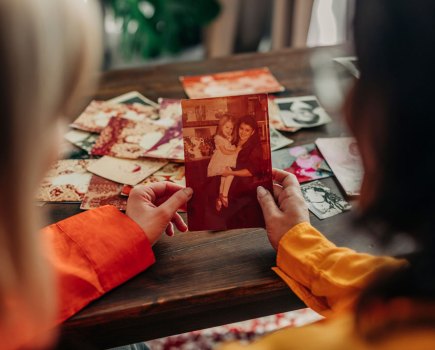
<point>261,191</point>
<point>188,191</point>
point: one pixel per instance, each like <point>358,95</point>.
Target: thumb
<point>267,203</point>
<point>177,200</point>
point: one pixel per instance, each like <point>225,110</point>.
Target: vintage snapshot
<point>98,114</point>
<point>133,97</point>
<point>227,156</point>
<point>125,171</point>
<point>103,192</point>
<point>278,140</point>
<point>275,120</point>
<point>302,112</point>
<point>304,161</point>
<point>66,181</point>
<point>343,157</point>
<point>350,63</point>
<point>125,138</point>
<point>322,201</point>
<point>82,139</point>
<point>241,82</point>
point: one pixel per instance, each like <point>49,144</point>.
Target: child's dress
<point>220,161</point>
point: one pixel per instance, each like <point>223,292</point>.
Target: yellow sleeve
<point>324,276</point>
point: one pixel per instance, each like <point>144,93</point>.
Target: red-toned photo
<point>227,156</point>
<point>241,82</point>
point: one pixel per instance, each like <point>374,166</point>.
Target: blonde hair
<point>222,121</point>
<point>50,52</point>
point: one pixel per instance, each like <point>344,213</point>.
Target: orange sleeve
<point>92,253</point>
<point>324,276</point>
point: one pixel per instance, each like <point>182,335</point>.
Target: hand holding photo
<point>227,153</point>
<point>321,201</point>
<point>302,112</point>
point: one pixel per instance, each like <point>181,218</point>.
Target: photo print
<point>302,112</point>
<point>227,156</point>
<point>322,201</point>
<point>241,82</point>
<point>304,161</point>
<point>342,155</point>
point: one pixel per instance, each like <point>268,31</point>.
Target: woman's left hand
<point>154,208</point>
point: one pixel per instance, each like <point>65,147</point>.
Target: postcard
<point>83,139</point>
<point>66,181</point>
<point>170,145</point>
<point>350,63</point>
<point>126,138</point>
<point>277,140</point>
<point>275,117</point>
<point>302,112</point>
<point>322,201</point>
<point>227,156</point>
<point>241,82</point>
<point>103,192</point>
<point>133,97</point>
<point>98,114</point>
<point>125,171</point>
<point>303,161</point>
<point>343,157</point>
<point>171,172</point>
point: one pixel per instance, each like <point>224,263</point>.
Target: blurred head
<point>390,112</point>
<point>50,53</point>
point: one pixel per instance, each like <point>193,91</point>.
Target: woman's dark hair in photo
<point>391,113</point>
<point>255,137</point>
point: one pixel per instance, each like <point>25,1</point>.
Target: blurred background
<point>149,32</point>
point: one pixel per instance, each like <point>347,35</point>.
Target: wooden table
<point>204,279</point>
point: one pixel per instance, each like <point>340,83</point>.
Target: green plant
<point>154,27</point>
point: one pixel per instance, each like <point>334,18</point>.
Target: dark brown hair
<point>395,46</point>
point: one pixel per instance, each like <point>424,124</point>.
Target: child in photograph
<point>225,155</point>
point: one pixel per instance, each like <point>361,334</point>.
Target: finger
<point>267,203</point>
<point>179,222</point>
<point>170,229</point>
<point>277,189</point>
<point>284,178</point>
<point>176,201</point>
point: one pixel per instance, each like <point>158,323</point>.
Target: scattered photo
<point>125,171</point>
<point>66,181</point>
<point>278,140</point>
<point>302,112</point>
<point>170,145</point>
<point>103,192</point>
<point>227,153</point>
<point>83,139</point>
<point>241,82</point>
<point>350,63</point>
<point>321,201</point>
<point>126,138</point>
<point>171,172</point>
<point>275,117</point>
<point>343,157</point>
<point>133,97</point>
<point>98,114</point>
<point>304,161</point>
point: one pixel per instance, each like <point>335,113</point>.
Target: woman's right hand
<point>291,209</point>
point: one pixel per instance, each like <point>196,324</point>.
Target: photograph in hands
<point>227,156</point>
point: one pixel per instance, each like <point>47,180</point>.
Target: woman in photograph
<point>250,166</point>
<point>371,302</point>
